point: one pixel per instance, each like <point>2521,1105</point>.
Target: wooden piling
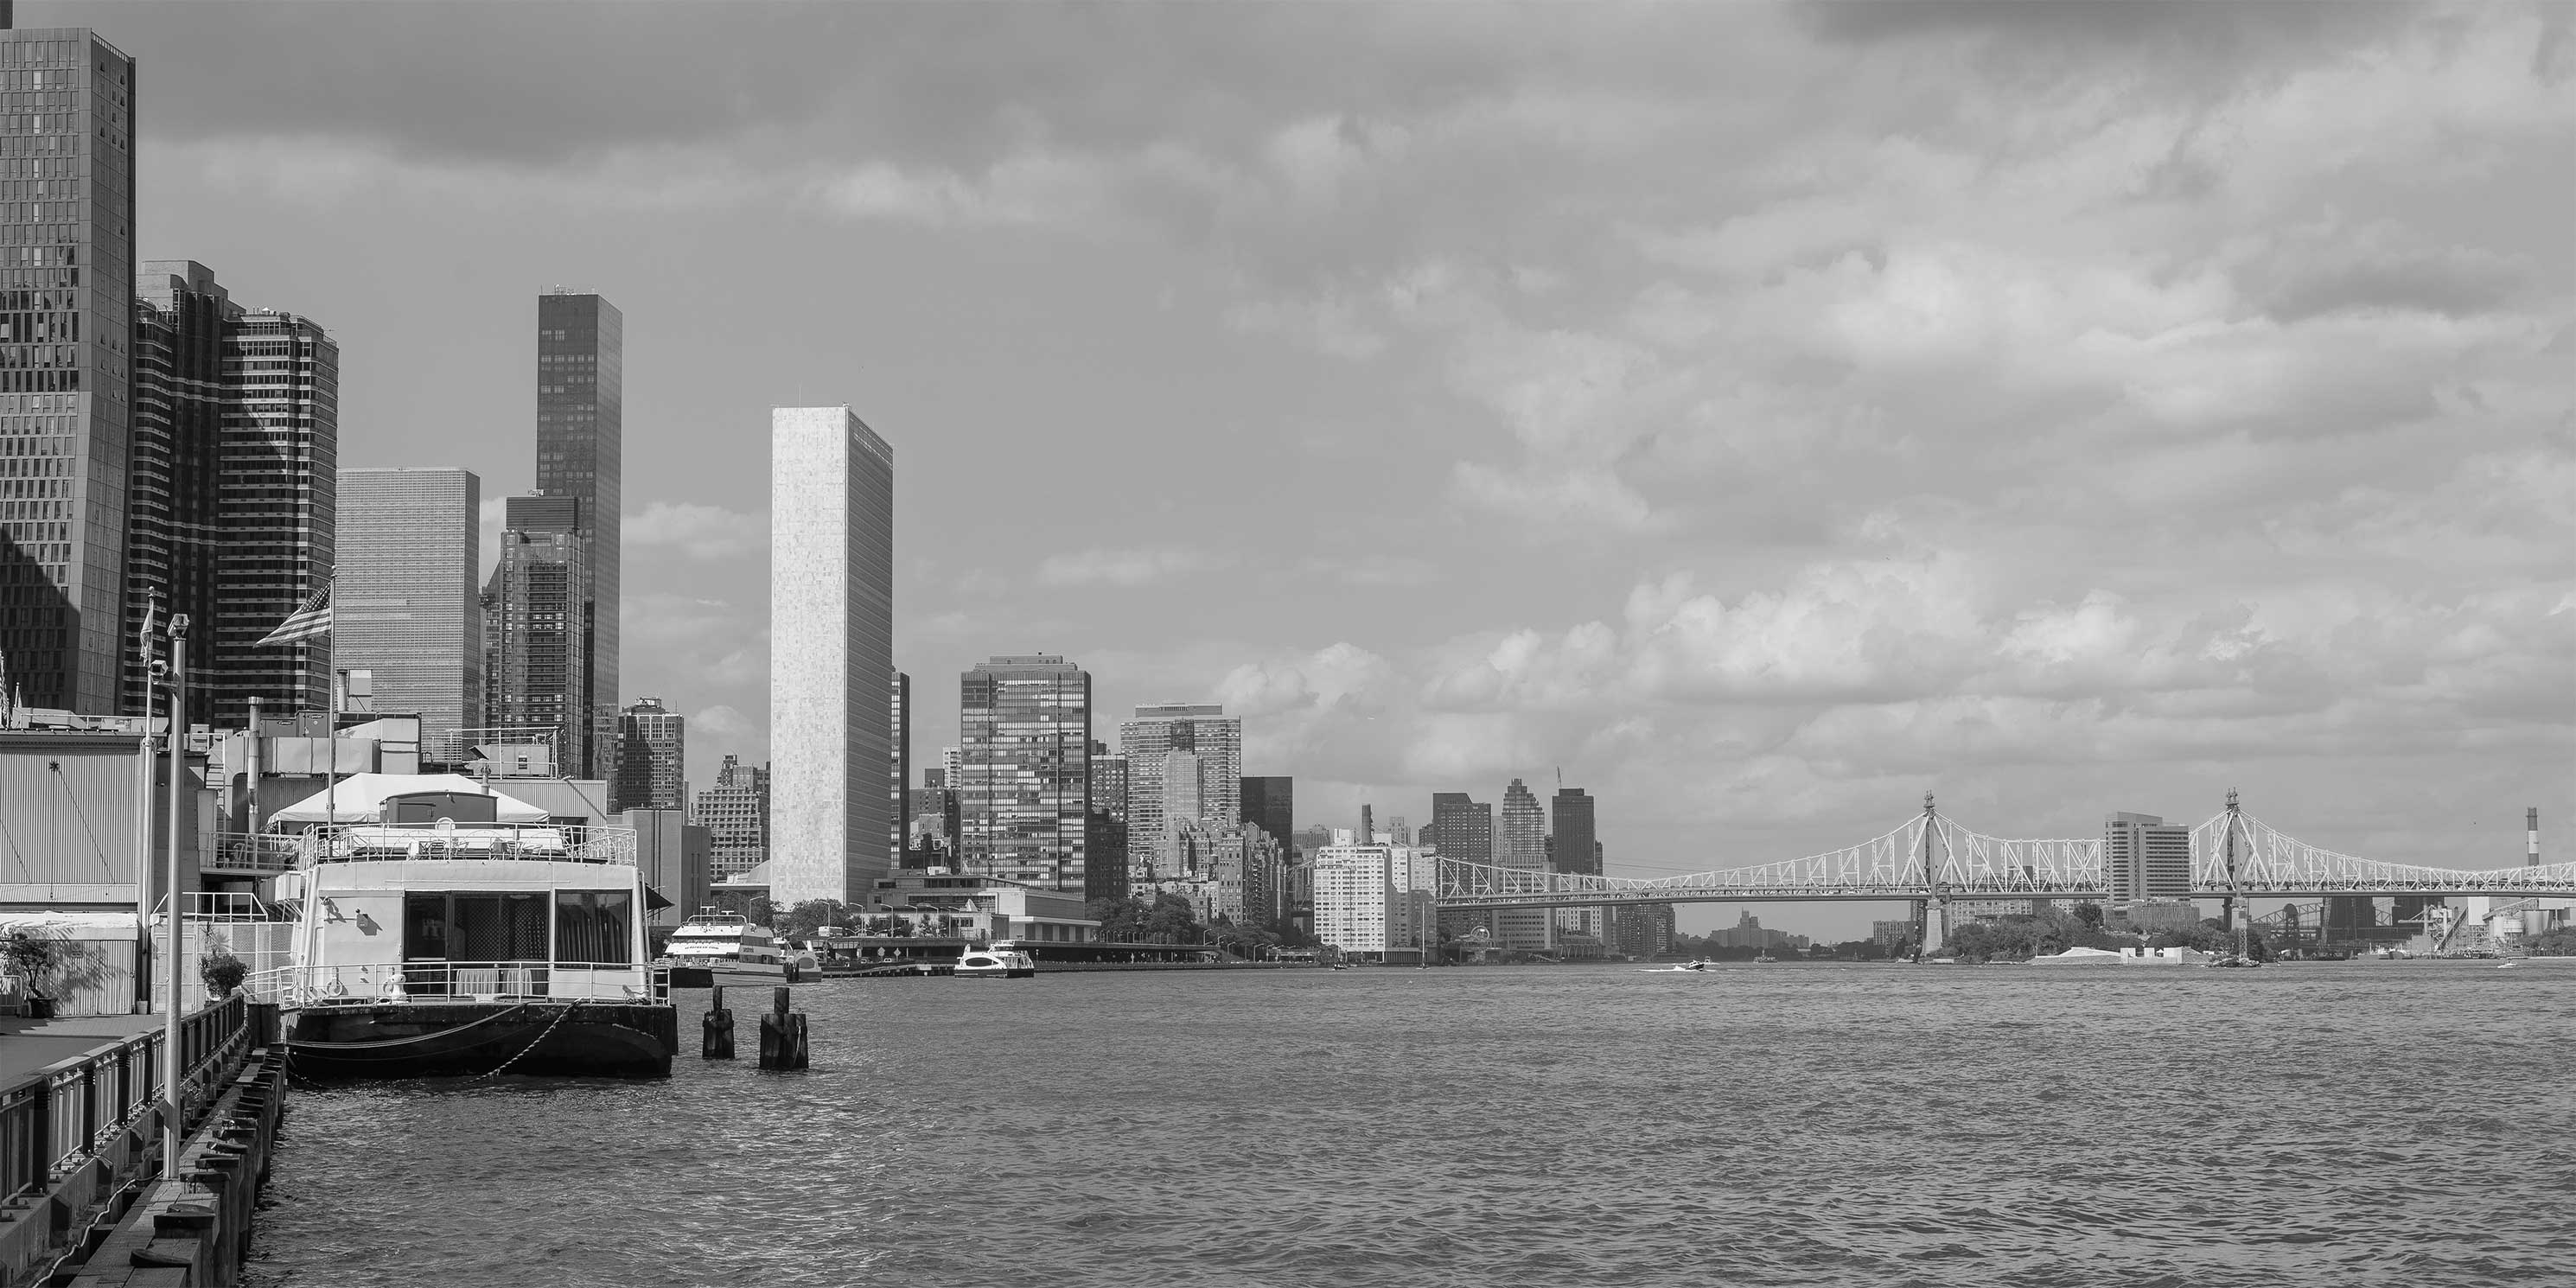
<point>782,1036</point>
<point>717,1042</point>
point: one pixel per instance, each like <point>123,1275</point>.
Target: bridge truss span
<point>1932,859</point>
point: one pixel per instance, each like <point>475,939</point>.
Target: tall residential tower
<point>1024,798</point>
<point>406,607</point>
<point>66,319</point>
<point>581,347</point>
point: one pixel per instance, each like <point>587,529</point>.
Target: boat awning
<point>360,798</point>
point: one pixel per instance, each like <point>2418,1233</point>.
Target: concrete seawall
<point>195,1232</point>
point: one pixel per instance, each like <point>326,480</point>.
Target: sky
<point>1763,415</point>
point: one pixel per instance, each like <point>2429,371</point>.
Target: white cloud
<point>1123,567</point>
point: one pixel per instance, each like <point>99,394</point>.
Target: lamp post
<point>171,1053</point>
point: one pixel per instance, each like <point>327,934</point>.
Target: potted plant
<point>31,959</point>
<point>222,973</point>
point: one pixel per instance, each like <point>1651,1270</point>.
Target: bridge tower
<point>2227,906</point>
<point>1923,907</point>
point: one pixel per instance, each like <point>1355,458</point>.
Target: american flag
<point>310,618</point>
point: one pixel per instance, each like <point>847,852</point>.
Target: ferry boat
<point>452,930</point>
<point>718,946</point>
<point>1000,961</point>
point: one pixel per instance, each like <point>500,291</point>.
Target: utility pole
<point>172,1052</point>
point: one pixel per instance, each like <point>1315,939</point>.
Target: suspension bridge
<point>1931,859</point>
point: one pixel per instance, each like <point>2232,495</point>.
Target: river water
<point>2324,1124</point>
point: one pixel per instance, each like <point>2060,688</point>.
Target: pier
<point>89,1202</point>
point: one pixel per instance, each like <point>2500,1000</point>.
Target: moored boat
<point>996,963</point>
<point>721,947</point>
<point>459,931</point>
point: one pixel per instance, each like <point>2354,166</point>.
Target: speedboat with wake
<point>1690,968</point>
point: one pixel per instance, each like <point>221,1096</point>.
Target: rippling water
<point>2326,1124</point>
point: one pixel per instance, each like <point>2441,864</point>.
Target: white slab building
<point>831,655</point>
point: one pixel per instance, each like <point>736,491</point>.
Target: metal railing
<point>365,842</point>
<point>60,1115</point>
<point>440,980</point>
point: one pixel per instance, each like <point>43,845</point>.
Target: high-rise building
<point>899,728</point>
<point>1461,828</point>
<point>67,270</point>
<point>174,474</point>
<point>1109,782</point>
<point>581,436</point>
<point>1571,847</point>
<point>651,757</point>
<point>1215,744</point>
<point>1270,804</point>
<point>536,631</point>
<point>1374,901</point>
<point>2144,858</point>
<point>281,478</point>
<point>735,812</point>
<point>1023,804</point>
<point>831,650</point>
<point>1524,846</point>
<point>405,606</point>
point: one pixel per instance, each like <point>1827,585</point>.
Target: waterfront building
<point>1213,778</point>
<point>405,607</point>
<point>1023,794</point>
<point>1270,803</point>
<point>536,632</point>
<point>1373,902</point>
<point>1748,932</point>
<point>67,266</point>
<point>900,730</point>
<point>2147,916</point>
<point>985,907</point>
<point>831,648</point>
<point>735,812</point>
<point>1888,934</point>
<point>1641,929</point>
<point>581,352</point>
<point>2144,857</point>
<point>652,757</point>
<point>1523,845</point>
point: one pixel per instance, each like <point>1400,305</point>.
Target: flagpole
<point>173,1051</point>
<point>143,823</point>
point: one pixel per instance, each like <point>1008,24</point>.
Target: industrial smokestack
<point>2531,821</point>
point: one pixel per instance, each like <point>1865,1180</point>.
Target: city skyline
<point>2256,560</point>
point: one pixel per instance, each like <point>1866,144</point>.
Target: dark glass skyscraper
<point>1271,805</point>
<point>174,497</point>
<point>581,341</point>
<point>535,633</point>
<point>1571,847</point>
<point>66,319</point>
<point>1461,828</point>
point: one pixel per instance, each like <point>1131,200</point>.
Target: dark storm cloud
<point>2455,282</point>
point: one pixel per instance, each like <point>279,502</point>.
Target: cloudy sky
<point>1766,414</point>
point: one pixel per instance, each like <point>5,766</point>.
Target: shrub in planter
<point>222,972</point>
<point>33,960</point>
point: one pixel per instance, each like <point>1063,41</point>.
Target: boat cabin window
<point>474,926</point>
<point>592,926</point>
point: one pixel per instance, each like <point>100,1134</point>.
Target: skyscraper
<point>736,814</point>
<point>281,480</point>
<point>67,271</point>
<point>1461,828</point>
<point>1215,742</point>
<point>406,606</point>
<point>581,346</point>
<point>651,757</point>
<point>1024,803</point>
<point>831,649</point>
<point>1271,805</point>
<point>174,474</point>
<point>1572,847</point>
<point>535,630</point>
<point>1524,846</point>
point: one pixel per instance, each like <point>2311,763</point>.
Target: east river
<point>2322,1124</point>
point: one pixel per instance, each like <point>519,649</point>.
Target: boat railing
<point>375,842</point>
<point>443,980</point>
<point>70,1111</point>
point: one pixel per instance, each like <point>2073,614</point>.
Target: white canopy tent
<point>359,798</point>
